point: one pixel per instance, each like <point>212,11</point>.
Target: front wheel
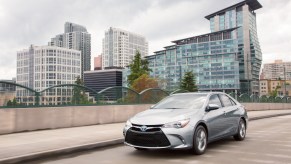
<point>199,140</point>
<point>241,133</point>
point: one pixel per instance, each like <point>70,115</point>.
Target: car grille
<point>150,128</point>
<point>146,139</point>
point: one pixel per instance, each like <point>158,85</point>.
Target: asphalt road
<point>267,141</point>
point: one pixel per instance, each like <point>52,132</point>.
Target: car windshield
<point>183,101</point>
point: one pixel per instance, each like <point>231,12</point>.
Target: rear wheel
<point>199,140</point>
<point>241,133</point>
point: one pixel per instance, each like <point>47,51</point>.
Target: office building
<point>212,57</point>
<point>281,87</point>
<point>277,70</point>
<point>120,46</point>
<point>102,79</point>
<point>227,59</point>
<point>7,92</point>
<point>40,67</point>
<point>75,37</point>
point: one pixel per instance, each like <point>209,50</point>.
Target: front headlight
<point>177,124</point>
<point>128,124</point>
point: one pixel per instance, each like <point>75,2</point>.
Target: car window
<point>225,100</point>
<point>214,99</point>
<point>233,103</point>
<point>183,101</point>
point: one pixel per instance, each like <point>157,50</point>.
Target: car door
<point>215,118</point>
<point>230,114</point>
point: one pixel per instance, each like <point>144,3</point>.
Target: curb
<point>89,146</point>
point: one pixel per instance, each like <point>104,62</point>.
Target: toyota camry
<point>187,121</point>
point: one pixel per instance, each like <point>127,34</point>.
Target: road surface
<point>267,141</point>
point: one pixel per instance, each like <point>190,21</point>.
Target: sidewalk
<point>27,145</point>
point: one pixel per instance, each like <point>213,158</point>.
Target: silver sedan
<point>187,121</point>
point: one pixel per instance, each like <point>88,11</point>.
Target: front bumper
<point>160,138</point>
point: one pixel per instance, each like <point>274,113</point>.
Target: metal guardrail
<point>82,95</point>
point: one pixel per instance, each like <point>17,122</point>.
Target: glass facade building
<point>227,59</point>
<point>212,57</point>
<point>242,15</point>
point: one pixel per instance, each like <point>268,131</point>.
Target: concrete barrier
<point>266,106</point>
<point>27,119</point>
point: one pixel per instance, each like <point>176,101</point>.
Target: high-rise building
<point>40,67</point>
<point>277,70</point>
<point>212,57</point>
<point>75,37</point>
<point>120,46</point>
<point>243,17</point>
<point>227,59</point>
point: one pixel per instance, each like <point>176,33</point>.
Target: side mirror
<point>212,107</point>
<point>152,106</point>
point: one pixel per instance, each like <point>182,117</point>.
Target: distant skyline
<point>160,21</point>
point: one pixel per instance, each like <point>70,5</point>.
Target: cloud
<point>160,21</point>
<point>274,24</point>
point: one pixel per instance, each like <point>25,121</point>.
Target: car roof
<point>198,93</point>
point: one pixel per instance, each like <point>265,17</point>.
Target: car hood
<point>161,116</point>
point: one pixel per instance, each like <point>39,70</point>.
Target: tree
<point>79,95</point>
<point>144,82</point>
<point>189,82</point>
<point>138,67</point>
<point>14,102</point>
<point>274,93</point>
<point>9,103</point>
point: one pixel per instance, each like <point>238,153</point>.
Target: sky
<point>161,21</point>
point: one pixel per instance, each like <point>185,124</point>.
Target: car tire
<point>241,132</point>
<point>140,149</point>
<point>199,140</point>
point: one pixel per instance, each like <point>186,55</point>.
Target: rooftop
<point>254,5</point>
<point>176,41</point>
<point>231,29</point>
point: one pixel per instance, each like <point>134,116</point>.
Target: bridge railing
<point>73,94</point>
